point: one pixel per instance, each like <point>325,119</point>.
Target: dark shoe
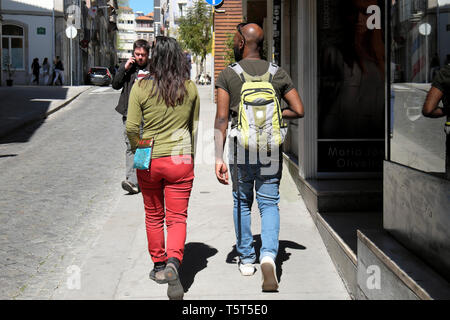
<point>130,187</point>
<point>175,290</point>
<point>157,274</point>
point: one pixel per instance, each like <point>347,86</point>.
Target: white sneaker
<point>269,276</point>
<point>247,269</point>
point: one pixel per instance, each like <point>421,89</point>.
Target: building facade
<point>171,12</point>
<point>37,29</point>
<point>28,32</point>
<point>98,36</point>
<point>145,27</point>
<point>127,33</point>
<point>133,26</point>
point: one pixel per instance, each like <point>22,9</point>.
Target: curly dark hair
<point>169,70</point>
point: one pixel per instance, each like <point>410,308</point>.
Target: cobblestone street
<point>56,190</point>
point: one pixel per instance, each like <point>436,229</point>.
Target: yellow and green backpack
<point>260,124</point>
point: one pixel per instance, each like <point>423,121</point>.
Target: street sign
<point>41,30</point>
<point>214,2</point>
<point>71,32</point>
<point>425,29</point>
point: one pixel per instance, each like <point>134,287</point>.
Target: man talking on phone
<point>135,68</point>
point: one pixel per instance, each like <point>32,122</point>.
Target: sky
<point>142,5</point>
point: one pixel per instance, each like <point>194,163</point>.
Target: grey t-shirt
<point>229,81</point>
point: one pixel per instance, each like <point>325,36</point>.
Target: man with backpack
<point>249,92</point>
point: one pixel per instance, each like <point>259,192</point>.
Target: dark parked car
<point>100,76</point>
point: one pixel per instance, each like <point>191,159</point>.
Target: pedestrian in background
<point>136,67</point>
<point>189,61</point>
<point>169,103</point>
<point>59,71</point>
<point>35,69</point>
<point>46,70</point>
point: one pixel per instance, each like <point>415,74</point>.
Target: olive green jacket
<point>174,129</point>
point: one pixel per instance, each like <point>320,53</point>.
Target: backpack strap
<point>238,69</point>
<point>273,69</point>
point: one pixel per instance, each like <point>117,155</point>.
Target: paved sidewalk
<point>23,104</point>
<point>117,267</point>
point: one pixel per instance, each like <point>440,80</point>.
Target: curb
<point>40,117</point>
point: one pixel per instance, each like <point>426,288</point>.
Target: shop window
<point>13,46</point>
<point>420,48</point>
<point>351,105</point>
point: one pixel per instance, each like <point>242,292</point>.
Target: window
<point>181,11</point>
<point>420,49</point>
<point>351,99</point>
<point>13,47</point>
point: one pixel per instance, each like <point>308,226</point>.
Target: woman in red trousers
<point>168,103</point>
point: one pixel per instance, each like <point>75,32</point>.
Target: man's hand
<point>431,106</point>
<point>130,63</point>
<point>222,172</point>
<point>220,129</point>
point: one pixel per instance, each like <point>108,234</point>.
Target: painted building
<point>145,27</point>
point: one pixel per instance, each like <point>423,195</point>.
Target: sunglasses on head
<point>239,26</point>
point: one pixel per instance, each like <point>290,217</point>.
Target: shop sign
<point>351,156</point>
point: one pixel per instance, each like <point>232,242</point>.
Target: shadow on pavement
<point>195,259</point>
<point>282,256</point>
<point>23,133</point>
<point>25,105</point>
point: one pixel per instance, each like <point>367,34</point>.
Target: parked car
<point>100,76</point>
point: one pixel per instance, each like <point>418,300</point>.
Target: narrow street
<point>364,123</point>
<point>64,214</point>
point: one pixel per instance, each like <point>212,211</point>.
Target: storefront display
<point>351,81</point>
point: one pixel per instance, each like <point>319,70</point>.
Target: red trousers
<point>166,189</point>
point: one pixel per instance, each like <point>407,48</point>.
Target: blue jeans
<point>266,183</point>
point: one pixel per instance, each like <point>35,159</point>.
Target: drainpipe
<point>53,32</point>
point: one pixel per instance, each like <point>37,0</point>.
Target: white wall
<point>34,5</point>
<point>38,46</point>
